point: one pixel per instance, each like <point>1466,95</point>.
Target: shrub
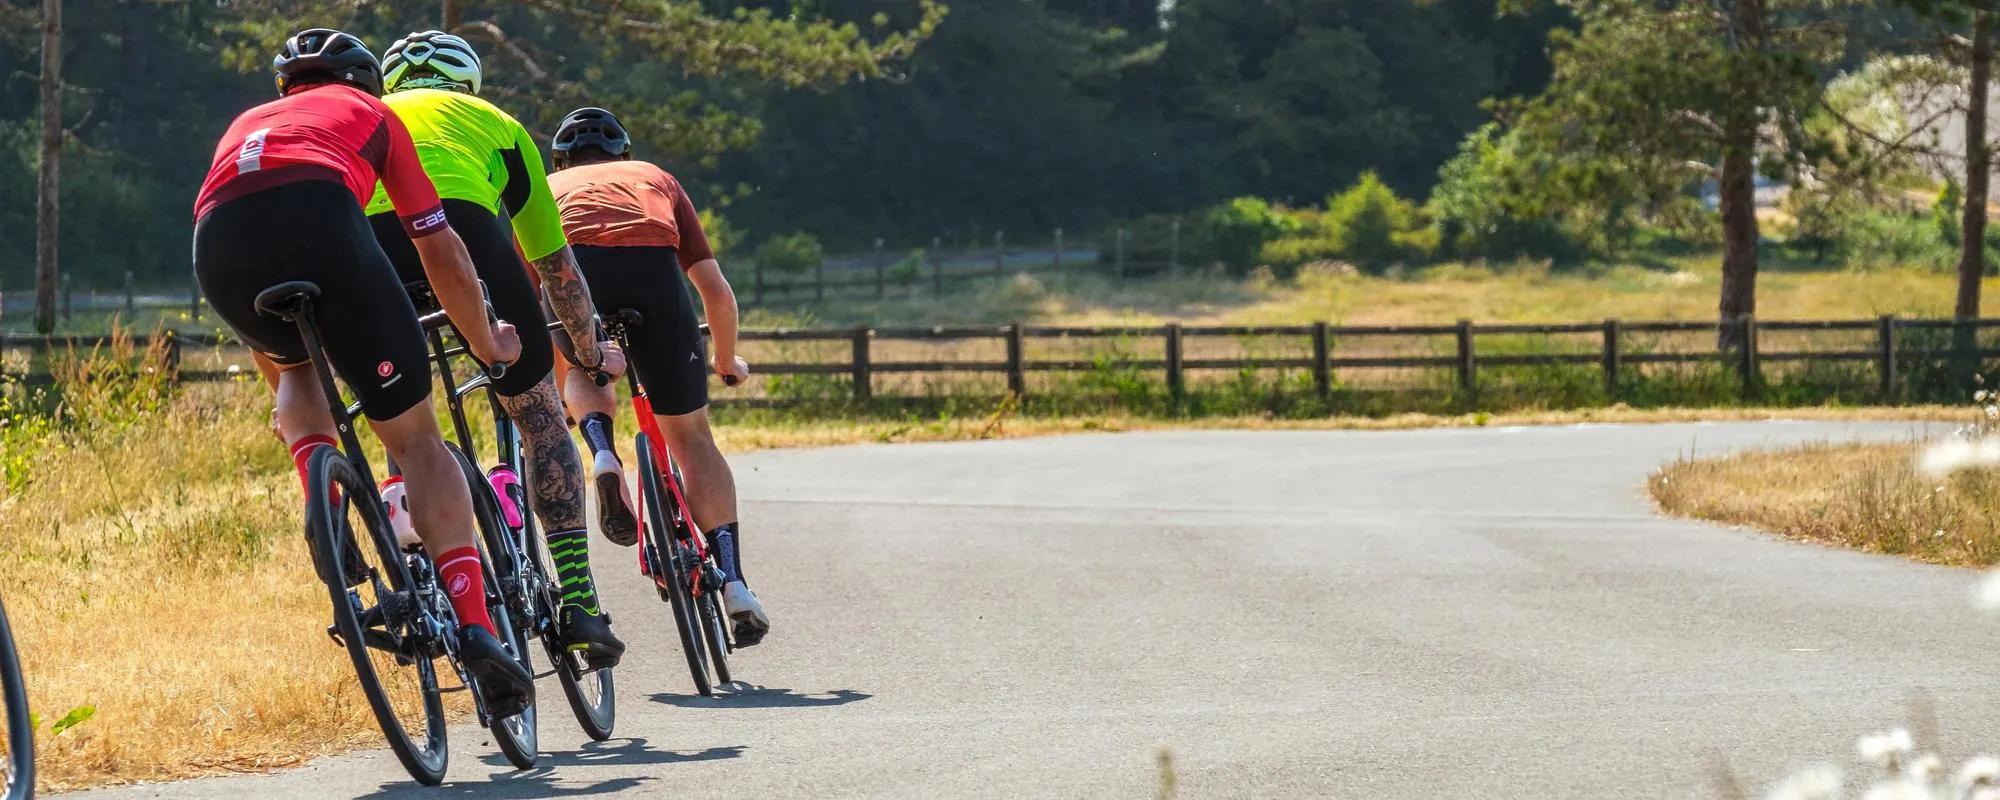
<point>1478,214</point>
<point>792,254</point>
<point>1234,233</point>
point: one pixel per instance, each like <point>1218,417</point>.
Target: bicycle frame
<point>642,406</point>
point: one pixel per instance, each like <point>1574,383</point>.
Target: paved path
<point>1465,613</point>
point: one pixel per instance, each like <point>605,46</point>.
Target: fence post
<point>1887,339</point>
<point>65,297</point>
<point>1059,254</point>
<point>863,382</point>
<point>1017,379</point>
<point>819,281</point>
<point>1468,378</point>
<point>1174,248</point>
<point>194,300</point>
<point>1176,378</point>
<point>1322,374</point>
<point>999,256</point>
<point>937,265</point>
<point>757,270</point>
<point>881,289</point>
<point>1748,355</point>
<point>131,306</point>
<point>1120,259</point>
<point>1611,345</point>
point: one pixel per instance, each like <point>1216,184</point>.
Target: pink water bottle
<point>504,479</point>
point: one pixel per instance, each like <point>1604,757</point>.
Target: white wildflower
<point>1986,597</point>
<point>1951,455</point>
<point>1980,396</point>
<point>1978,772</point>
<point>1887,750</point>
<point>1902,789</point>
<point>1927,768</point>
<point>1818,783</point>
<point>235,369</point>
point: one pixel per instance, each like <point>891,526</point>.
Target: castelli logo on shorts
<point>385,369</point>
<point>459,584</point>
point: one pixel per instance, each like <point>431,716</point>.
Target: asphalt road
<point>1463,613</point>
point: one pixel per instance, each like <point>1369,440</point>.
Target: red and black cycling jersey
<point>332,132</point>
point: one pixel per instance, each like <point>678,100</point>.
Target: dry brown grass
<point>159,574</point>
<point>1863,496</point>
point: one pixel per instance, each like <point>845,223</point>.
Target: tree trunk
<point>1737,194</point>
<point>46,181</point>
<point>452,16</point>
<point>1978,168</point>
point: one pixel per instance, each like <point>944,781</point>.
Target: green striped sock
<point>570,550</point>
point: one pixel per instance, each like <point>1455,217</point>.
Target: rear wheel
<point>20,760</point>
<point>713,624</point>
<point>517,735</point>
<point>387,635</point>
<point>669,558</point>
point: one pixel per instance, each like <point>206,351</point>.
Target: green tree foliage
<point>1478,207</point>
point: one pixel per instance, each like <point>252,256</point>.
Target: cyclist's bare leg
<point>711,489</point>
<point>551,454</point>
<point>440,503</point>
<point>585,397</point>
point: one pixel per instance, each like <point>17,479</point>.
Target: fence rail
<point>1612,352</point>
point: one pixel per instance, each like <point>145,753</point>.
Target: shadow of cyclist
<point>632,752</point>
<point>743,695</point>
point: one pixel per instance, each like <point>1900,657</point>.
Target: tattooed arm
<point>569,296</point>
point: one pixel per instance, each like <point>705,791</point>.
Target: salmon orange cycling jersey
<point>629,204</point>
<point>476,152</point>
<point>333,132</point>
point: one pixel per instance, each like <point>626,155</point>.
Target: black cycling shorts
<point>313,230</point>
<point>489,239</point>
<point>668,350</point>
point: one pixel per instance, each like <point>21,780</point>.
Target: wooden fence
<point>1613,356</point>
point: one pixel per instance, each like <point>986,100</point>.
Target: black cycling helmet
<point>591,127</point>
<point>319,55</point>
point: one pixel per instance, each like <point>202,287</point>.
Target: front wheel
<point>517,736</point>
<point>669,564</point>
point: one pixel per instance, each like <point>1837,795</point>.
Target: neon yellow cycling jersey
<point>475,152</point>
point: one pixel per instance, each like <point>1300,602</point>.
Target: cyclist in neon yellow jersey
<point>489,173</point>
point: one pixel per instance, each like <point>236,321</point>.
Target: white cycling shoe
<point>742,607</point>
<point>614,500</point>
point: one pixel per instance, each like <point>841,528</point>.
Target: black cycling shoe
<point>590,636</point>
<point>504,684</point>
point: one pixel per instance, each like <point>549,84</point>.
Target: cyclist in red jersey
<point>282,202</point>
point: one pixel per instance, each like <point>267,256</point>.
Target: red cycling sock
<point>466,584</point>
<point>303,450</point>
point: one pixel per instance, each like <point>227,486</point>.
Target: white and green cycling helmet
<point>431,60</point>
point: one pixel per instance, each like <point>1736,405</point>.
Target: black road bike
<point>20,760</point>
<point>514,543</point>
<point>389,609</point>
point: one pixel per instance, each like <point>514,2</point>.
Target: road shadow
<point>630,752</point>
<point>743,695</point>
<point>519,786</point>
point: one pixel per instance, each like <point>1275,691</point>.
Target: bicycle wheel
<point>718,635</point>
<point>671,568</point>
<point>593,696</point>
<point>517,736</point>
<point>20,761</point>
<point>388,636</point>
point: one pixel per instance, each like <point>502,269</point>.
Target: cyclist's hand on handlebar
<point>733,371</point>
<point>506,345</point>
<point>611,360</point>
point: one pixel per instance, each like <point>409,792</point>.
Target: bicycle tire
<point>20,726</point>
<point>330,536</point>
<point>518,736</point>
<point>669,559</point>
<point>718,636</point>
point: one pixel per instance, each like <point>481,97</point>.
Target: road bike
<point>390,610</point>
<point>20,761</point>
<point>519,553</point>
<point>672,552</point>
